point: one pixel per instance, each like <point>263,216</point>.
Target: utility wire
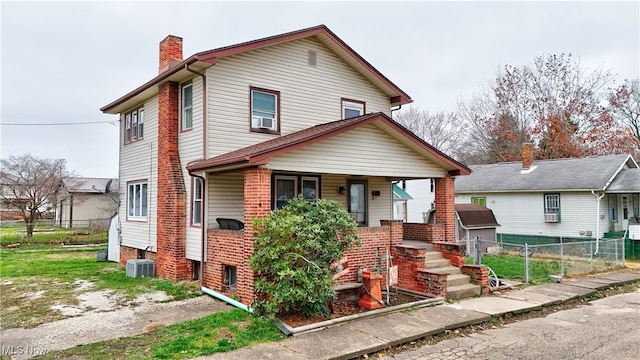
<point>53,124</point>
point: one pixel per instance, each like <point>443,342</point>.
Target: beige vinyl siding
<point>190,148</point>
<point>329,188</point>
<point>363,151</point>
<point>309,95</point>
<point>225,197</point>
<point>138,161</point>
<point>380,208</point>
<point>523,213</point>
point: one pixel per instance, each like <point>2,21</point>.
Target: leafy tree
<point>506,138</point>
<point>29,186</point>
<point>294,249</point>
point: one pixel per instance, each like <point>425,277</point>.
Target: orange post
<point>372,282</point>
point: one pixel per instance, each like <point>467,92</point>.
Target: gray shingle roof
<point>628,180</point>
<point>91,185</point>
<point>590,173</point>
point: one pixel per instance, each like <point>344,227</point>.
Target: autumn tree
<point>440,129</point>
<point>555,96</point>
<point>29,186</point>
<point>625,101</point>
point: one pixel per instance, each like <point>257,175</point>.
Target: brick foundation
<point>222,249</point>
<point>432,283</point>
<point>410,261</point>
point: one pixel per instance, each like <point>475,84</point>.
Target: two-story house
<point>234,132</point>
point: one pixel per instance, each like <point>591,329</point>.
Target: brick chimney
<point>170,52</point>
<point>527,155</point>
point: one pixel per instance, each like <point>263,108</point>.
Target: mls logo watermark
<point>22,350</point>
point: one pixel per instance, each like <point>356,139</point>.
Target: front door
<point>625,212</point>
<point>358,202</point>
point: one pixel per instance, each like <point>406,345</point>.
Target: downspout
<point>598,198</point>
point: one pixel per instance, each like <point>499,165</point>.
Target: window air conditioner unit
<point>141,268</point>
<point>551,218</point>
<point>264,122</point>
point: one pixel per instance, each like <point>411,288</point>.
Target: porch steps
<point>458,285</point>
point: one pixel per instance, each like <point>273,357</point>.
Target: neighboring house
<point>400,198</point>
<point>229,134</point>
<point>581,198</point>
<point>423,193</point>
<point>87,202</point>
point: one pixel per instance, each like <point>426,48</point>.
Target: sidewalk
<point>358,337</point>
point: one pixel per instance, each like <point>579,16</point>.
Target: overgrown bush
<point>294,249</point>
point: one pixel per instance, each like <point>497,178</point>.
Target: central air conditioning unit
<point>551,218</point>
<point>264,122</point>
<point>141,268</point>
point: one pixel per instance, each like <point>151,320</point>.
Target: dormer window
<point>265,111</point>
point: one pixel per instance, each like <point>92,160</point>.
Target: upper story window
<point>134,126</point>
<point>552,208</point>
<point>187,107</point>
<point>265,111</point>
<point>479,201</point>
<point>352,108</point>
<point>137,200</point>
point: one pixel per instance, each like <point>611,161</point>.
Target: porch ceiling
<point>261,153</point>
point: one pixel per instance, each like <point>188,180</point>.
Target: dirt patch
<point>224,333</point>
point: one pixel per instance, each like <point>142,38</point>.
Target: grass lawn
<point>47,235</point>
<point>219,332</point>
<point>35,280</point>
<point>512,267</point>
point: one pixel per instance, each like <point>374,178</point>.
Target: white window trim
<point>275,184</point>
<point>256,120</point>
<point>352,105</point>
<point>185,107</point>
<point>131,186</point>
<point>197,202</point>
<point>311,178</point>
<point>547,208</point>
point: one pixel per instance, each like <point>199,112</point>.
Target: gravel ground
<point>107,319</point>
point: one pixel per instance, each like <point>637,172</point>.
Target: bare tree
<point>440,129</point>
<point>553,93</point>
<point>29,186</point>
<point>626,102</point>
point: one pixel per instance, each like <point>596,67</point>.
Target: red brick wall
<point>170,51</point>
<point>432,283</point>
<point>416,231</point>
<point>364,257</point>
<point>129,253</point>
<point>435,232</point>
<point>445,208</point>
<point>410,261</point>
<point>257,203</point>
<point>171,262</point>
<point>223,248</point>
<point>479,274</point>
<point>396,228</point>
<point>451,251</point>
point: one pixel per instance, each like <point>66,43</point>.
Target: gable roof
<point>399,193</point>
<point>628,180</point>
<point>91,185</point>
<point>573,174</point>
<point>200,61</point>
<point>260,153</point>
<point>475,216</point>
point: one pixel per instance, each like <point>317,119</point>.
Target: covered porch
<point>334,161</point>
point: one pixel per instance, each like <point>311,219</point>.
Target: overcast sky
<point>62,61</point>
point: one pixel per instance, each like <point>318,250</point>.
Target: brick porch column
<point>257,203</point>
<point>171,262</point>
<point>445,208</point>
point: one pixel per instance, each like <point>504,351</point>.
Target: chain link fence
<point>537,263</point>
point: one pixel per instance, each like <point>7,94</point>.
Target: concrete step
<point>462,291</point>
<point>456,280</point>
<point>449,270</point>
<point>436,263</point>
<point>432,255</point>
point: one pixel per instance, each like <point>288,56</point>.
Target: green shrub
<point>294,249</point>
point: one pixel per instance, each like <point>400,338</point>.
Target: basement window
<point>229,277</point>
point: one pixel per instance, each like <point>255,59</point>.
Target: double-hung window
<point>479,200</point>
<point>137,201</point>
<point>187,107</point>
<point>196,203</point>
<point>289,186</point>
<point>352,108</point>
<point>134,126</point>
<point>265,110</point>
<point>552,208</point>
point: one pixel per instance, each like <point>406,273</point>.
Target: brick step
<point>437,263</point>
<point>449,270</point>
<point>456,280</point>
<point>433,255</point>
<point>462,291</point>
